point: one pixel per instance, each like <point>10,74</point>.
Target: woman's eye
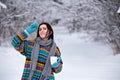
<point>44,28</point>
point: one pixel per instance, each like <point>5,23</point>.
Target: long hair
<point>49,28</point>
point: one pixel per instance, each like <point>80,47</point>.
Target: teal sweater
<point>25,47</point>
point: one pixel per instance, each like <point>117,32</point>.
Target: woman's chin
<point>44,38</point>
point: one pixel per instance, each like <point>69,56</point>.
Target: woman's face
<point>44,32</point>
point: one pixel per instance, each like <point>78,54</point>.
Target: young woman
<point>43,57</point>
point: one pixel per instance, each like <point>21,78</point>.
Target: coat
<point>25,47</point>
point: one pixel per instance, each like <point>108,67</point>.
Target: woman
<point>43,57</point>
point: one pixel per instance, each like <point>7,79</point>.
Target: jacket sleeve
<point>19,42</point>
<point>57,66</point>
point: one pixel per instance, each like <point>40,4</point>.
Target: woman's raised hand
<point>33,27</point>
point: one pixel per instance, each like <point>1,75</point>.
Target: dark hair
<point>49,28</point>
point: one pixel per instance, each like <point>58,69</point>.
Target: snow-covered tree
<point>2,6</point>
<point>99,18</point>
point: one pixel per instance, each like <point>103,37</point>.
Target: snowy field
<point>82,59</point>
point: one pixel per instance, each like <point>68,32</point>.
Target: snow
<point>11,64</point>
<point>83,59</point>
<point>3,5</point>
<point>118,11</point>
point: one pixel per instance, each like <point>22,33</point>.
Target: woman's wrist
<point>26,32</point>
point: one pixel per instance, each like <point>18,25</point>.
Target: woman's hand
<point>33,27</point>
<point>53,59</point>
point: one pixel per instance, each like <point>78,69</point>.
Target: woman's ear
<point>50,32</point>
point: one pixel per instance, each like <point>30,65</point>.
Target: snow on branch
<point>118,11</point>
<point>3,5</point>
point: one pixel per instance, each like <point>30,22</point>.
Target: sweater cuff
<point>26,32</point>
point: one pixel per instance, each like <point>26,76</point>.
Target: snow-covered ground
<point>83,59</point>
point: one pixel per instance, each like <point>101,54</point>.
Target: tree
<point>98,18</point>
